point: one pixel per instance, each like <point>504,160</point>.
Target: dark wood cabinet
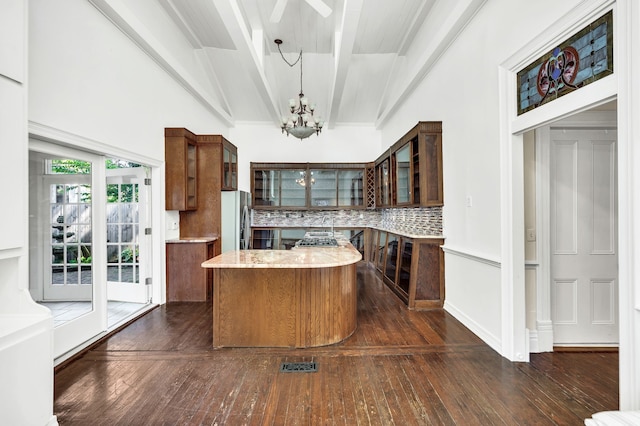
<point>187,281</point>
<point>308,185</point>
<point>410,172</point>
<point>229,165</point>
<point>181,179</point>
<point>413,268</point>
<point>212,172</point>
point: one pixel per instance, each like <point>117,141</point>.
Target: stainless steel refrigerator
<point>235,220</point>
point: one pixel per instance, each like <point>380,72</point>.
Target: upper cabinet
<point>183,150</point>
<point>410,172</point>
<point>308,185</point>
<point>383,181</point>
<point>229,166</point>
<point>180,153</point>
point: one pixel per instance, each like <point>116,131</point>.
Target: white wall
<point>26,329</point>
<point>88,78</point>
<point>462,90</point>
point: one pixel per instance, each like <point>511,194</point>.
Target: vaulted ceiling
<point>360,57</point>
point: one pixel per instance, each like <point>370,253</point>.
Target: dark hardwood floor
<point>400,367</point>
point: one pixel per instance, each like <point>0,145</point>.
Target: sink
<point>319,234</point>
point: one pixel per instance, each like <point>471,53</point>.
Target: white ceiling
<point>358,63</point>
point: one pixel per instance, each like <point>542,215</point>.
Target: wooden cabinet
<point>181,176</point>
<point>383,181</point>
<point>410,172</point>
<point>412,267</point>
<point>187,281</point>
<point>229,166</point>
<point>308,185</point>
<point>211,171</point>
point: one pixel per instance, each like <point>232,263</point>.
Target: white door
<point>584,269</point>
<point>67,238</point>
<point>127,243</point>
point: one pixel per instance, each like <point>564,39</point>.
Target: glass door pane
<point>70,244</point>
<point>403,169</point>
<point>226,167</point>
<point>234,170</point>
<point>293,185</point>
<point>323,184</point>
<point>404,273</point>
<point>392,257</point>
<point>266,188</point>
<point>350,188</point>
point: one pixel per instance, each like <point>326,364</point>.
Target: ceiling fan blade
<point>278,9</point>
<point>320,7</point>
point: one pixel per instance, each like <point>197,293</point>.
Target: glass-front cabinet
<point>383,182</point>
<point>404,177</point>
<point>410,172</point>
<point>309,185</point>
<point>229,166</point>
<point>391,264</point>
<point>279,188</point>
<point>413,268</point>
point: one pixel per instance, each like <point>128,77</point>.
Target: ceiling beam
<point>449,30</point>
<point>344,42</point>
<point>130,25</point>
<point>230,13</point>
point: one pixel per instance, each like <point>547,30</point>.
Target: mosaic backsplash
<point>419,221</point>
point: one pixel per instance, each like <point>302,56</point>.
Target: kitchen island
<point>303,297</point>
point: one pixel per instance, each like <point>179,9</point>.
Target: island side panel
<point>284,307</point>
<point>254,307</point>
<point>328,305</point>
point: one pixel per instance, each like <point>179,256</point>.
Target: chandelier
<point>302,180</point>
<point>301,123</point>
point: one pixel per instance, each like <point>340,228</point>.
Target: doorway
<point>583,250</point>
<point>576,282</point>
<point>89,236</point>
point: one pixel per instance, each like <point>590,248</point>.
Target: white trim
<point>474,256</point>
<point>63,138</point>
<point>490,339</point>
<point>543,208</point>
<point>627,43</point>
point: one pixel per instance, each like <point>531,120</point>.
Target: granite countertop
<point>297,257</point>
<point>192,240</point>
<point>407,234</point>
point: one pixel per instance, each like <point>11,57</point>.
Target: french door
<point>128,244</point>
<point>67,243</point>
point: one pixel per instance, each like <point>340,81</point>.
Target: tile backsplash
<point>423,221</point>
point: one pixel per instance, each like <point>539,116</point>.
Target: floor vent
<point>299,367</point>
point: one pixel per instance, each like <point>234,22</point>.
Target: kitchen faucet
<point>330,217</point>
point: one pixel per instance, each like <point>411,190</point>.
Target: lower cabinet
<point>187,280</point>
<point>413,268</point>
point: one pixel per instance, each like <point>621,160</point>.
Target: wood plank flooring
<point>400,367</point>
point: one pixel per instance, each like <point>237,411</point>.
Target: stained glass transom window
<point>582,59</point>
